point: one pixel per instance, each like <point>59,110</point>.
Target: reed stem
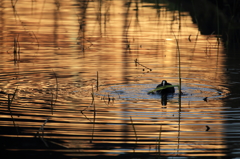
<point>97,81</point>
<point>179,65</point>
<point>134,128</point>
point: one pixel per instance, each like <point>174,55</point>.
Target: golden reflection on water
<point>75,43</point>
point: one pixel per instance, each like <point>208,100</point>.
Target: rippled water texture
<point>190,92</point>
<point>75,75</point>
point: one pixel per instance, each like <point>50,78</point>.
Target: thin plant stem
<point>180,92</point>
<point>97,81</point>
<point>179,127</point>
<point>179,64</point>
<point>94,120</point>
<point>94,115</point>
<point>10,100</point>
<point>56,94</point>
<point>134,128</point>
<point>42,130</point>
<point>159,140</point>
<point>92,96</point>
<point>135,132</point>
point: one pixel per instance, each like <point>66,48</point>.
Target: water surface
<point>58,108</point>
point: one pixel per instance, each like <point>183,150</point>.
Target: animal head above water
<point>163,82</point>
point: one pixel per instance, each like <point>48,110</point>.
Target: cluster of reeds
<point>92,102</point>
<point>108,100</point>
<point>94,109</point>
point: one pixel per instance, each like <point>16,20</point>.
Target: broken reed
<point>41,129</point>
<point>14,4</point>
<point>144,67</point>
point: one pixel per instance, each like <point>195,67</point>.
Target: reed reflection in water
<point>49,99</point>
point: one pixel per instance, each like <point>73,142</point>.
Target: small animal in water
<point>169,90</point>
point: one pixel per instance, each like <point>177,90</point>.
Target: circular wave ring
<point>191,92</point>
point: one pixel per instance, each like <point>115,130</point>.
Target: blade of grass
<point>161,88</point>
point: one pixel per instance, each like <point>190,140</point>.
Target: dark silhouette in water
<point>165,92</point>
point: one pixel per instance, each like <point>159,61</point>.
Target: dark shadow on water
<point>165,98</point>
<point>28,147</point>
<point>213,17</point>
<point>231,104</point>
<point>220,18</point>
